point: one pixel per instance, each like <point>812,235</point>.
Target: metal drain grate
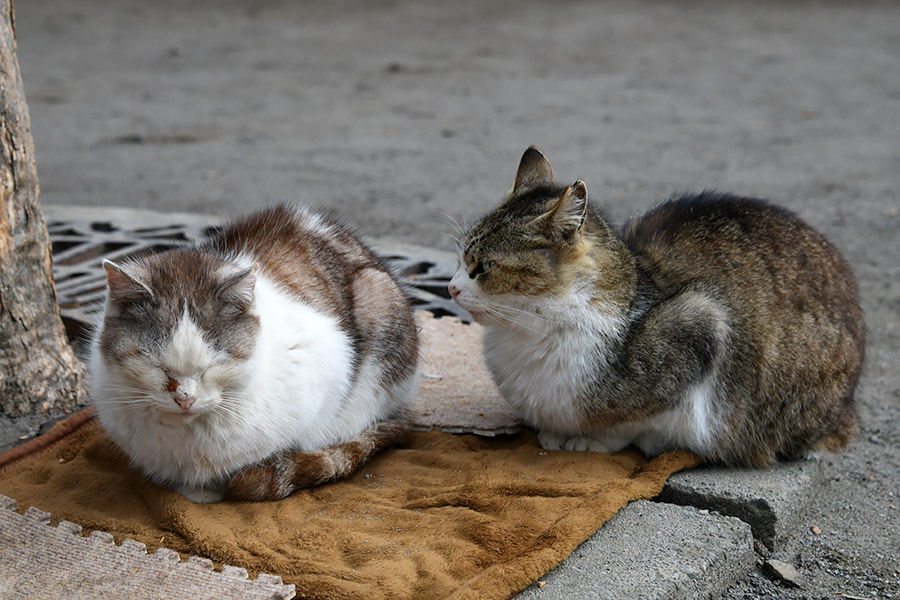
<point>80,245</point>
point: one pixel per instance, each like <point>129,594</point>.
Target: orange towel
<point>449,516</point>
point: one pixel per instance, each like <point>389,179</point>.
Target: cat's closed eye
<point>482,266</point>
<point>135,310</point>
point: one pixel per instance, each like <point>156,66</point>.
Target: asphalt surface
<point>403,117</point>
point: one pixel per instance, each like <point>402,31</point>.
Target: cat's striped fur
<point>714,323</point>
<point>282,474</point>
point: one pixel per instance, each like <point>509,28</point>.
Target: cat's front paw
<point>202,495</point>
<point>582,444</point>
<point>550,440</point>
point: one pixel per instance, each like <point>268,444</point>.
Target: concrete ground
<point>404,116</point>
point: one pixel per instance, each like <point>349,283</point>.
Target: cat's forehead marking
<point>187,350</point>
<point>474,244</point>
<point>468,250</point>
<point>490,236</point>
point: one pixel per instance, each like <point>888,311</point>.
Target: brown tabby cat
<point>718,324</point>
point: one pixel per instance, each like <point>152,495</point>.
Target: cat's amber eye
<point>482,266</point>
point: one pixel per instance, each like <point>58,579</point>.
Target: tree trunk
<point>38,369</point>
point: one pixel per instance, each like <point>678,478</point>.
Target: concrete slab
<point>653,551</point>
<point>771,501</point>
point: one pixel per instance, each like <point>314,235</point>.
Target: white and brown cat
<point>280,354</point>
<point>713,323</point>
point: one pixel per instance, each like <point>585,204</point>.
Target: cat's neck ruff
<point>542,365</point>
<point>579,310</point>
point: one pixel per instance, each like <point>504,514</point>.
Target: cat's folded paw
<point>201,495</point>
<point>582,444</point>
<point>550,440</point>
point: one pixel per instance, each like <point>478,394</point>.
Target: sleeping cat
<point>279,354</point>
<point>713,323</point>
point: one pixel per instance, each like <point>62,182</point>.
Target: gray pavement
<point>773,502</point>
<point>403,116</point>
<point>653,552</point>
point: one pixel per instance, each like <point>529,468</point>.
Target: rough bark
<point>39,372</point>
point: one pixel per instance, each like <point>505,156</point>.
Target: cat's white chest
<point>540,376</point>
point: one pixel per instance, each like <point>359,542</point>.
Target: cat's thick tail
<point>284,474</point>
<point>842,432</point>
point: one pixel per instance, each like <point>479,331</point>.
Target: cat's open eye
<point>483,266</point>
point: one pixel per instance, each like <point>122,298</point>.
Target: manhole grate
<point>79,247</point>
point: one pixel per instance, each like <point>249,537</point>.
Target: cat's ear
<point>125,282</point>
<point>237,288</point>
<point>567,215</point>
<point>534,171</point>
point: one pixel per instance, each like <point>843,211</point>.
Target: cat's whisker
<point>230,404</point>
<point>129,404</point>
<point>449,220</point>
<point>503,319</point>
<point>456,232</point>
<point>126,407</point>
<point>222,409</point>
<point>515,316</point>
<point>131,399</point>
<point>129,395</point>
<point>527,313</point>
<point>456,240</point>
<point>110,386</point>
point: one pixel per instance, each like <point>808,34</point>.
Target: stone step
<point>653,551</point>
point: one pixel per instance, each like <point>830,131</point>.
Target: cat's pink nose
<point>183,398</point>
<point>184,402</point>
<point>454,291</point>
